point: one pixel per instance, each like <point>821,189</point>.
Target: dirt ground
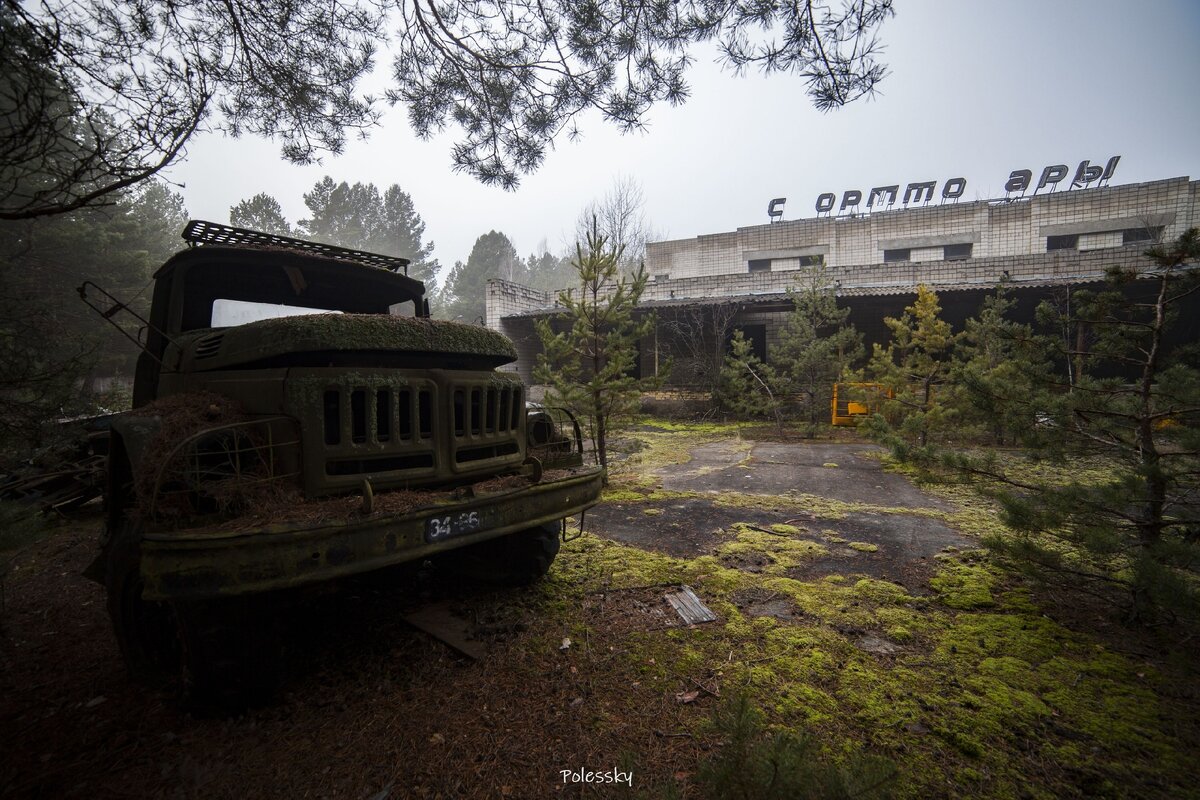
<point>691,526</point>
<point>591,669</point>
<point>371,707</point>
<point>837,471</point>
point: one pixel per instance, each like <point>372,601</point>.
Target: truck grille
<point>410,429</point>
<point>486,421</point>
<point>378,429</point>
<point>378,415</point>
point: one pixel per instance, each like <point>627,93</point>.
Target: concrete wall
<point>1008,241</point>
<point>993,228</point>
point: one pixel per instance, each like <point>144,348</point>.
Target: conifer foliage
<point>916,363</point>
<point>817,344</point>
<point>590,350</point>
<point>1130,408</point>
<point>745,386</point>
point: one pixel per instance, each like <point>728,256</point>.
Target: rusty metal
<point>555,437</point>
<point>567,535</point>
<point>66,475</point>
<point>260,450</point>
<point>199,563</point>
<point>202,232</point>
<point>116,308</point>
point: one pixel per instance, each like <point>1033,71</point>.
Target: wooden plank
<point>441,623</point>
<point>689,607</point>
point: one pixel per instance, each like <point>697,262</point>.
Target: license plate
<point>439,529</point>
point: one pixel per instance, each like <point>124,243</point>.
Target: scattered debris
<point>784,534</point>
<point>687,697</point>
<point>385,792</point>
<point>95,701</point>
<point>441,623</point>
<point>778,608</point>
<point>689,607</point>
<point>877,645</point>
<point>566,644</point>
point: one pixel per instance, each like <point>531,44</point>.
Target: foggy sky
<point>975,90</point>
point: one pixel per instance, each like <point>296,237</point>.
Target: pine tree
<point>996,367</point>
<point>588,363</point>
<point>817,344</point>
<point>52,346</point>
<point>746,386</point>
<point>261,213</point>
<point>360,218</point>
<point>343,215</point>
<point>1130,410</point>
<point>465,294</point>
<point>915,364</point>
<point>401,233</point>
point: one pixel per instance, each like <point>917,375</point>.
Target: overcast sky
<point>975,90</point>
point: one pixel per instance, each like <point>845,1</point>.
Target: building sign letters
<point>1019,180</point>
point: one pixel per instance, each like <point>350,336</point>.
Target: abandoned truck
<point>299,418</point>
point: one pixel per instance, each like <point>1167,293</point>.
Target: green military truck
<point>298,418</point>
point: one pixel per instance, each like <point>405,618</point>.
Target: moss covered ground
<point>972,683</point>
<point>971,689</point>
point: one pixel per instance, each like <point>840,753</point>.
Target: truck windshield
<point>227,313</point>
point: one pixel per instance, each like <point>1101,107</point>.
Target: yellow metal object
<point>847,412</point>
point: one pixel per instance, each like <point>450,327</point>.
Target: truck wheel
<point>230,654</point>
<point>517,559</point>
<point>146,631</point>
<point>222,653</point>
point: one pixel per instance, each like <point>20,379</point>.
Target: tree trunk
<point>923,437</point>
<point>601,435</point>
<point>1151,525</point>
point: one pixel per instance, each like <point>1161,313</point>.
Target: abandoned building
<point>1041,246</point>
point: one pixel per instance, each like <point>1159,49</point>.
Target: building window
<point>812,261</point>
<point>666,276</point>
<point>890,256</point>
<point>957,252</point>
<point>1069,241</point>
<point>1139,235</point>
<point>756,335</point>
<point>760,265</point>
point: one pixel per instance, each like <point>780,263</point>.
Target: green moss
<point>782,552</point>
<point>782,527</point>
<point>652,512</point>
<point>987,698</point>
<point>676,426</point>
<point>881,592</point>
<point>332,332</point>
<point>623,495</point>
<point>863,547</point>
<point>964,586</point>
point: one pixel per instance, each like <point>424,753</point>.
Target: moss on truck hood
<point>325,333</point>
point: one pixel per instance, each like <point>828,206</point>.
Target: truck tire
<point>221,655</point>
<point>146,631</point>
<point>517,559</point>
<point>231,654</point>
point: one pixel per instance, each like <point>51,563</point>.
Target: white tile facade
<point>995,229</point>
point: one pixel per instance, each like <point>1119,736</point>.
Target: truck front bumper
<point>200,564</point>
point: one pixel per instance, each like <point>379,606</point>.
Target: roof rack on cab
<point>199,231</point>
